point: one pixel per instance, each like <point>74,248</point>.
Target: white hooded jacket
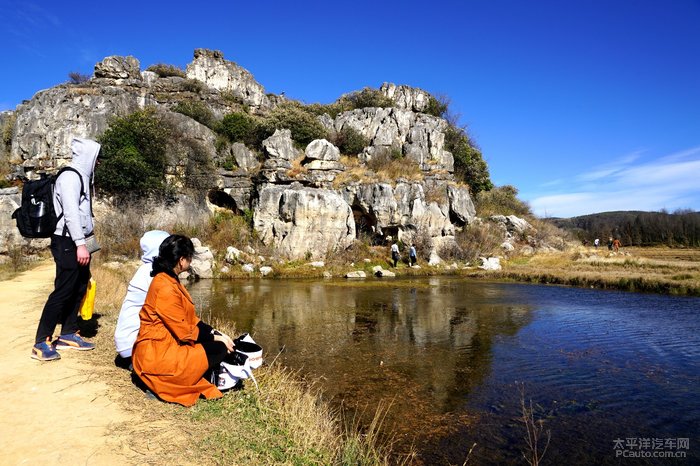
<point>128,322</point>
<point>67,199</point>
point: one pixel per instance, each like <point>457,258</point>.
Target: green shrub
<point>199,169</point>
<point>331,109</point>
<point>232,98</point>
<point>164,71</point>
<point>437,106</point>
<point>501,201</point>
<point>192,85</point>
<point>350,141</point>
<point>133,157</point>
<point>470,167</point>
<point>196,110</point>
<point>368,98</point>
<point>295,117</point>
<point>8,128</point>
<point>238,127</point>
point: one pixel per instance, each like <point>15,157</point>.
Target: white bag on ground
<point>239,365</point>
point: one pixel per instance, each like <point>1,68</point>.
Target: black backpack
<point>36,217</point>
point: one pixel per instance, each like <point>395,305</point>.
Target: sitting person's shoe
<point>45,351</point>
<point>73,341</point>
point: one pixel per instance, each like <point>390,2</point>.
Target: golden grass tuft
<point>297,169</point>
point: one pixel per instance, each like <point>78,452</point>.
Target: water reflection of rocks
<point>421,345</point>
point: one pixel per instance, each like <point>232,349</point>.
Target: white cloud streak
<point>670,182</point>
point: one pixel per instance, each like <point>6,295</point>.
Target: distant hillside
<point>636,228</point>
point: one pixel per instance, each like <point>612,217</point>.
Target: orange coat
<point>165,355</point>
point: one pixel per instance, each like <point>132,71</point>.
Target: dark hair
<point>171,250</point>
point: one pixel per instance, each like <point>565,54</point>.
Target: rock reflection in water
<point>420,345</point>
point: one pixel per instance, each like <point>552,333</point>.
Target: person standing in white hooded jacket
<point>72,203</point>
<point>128,322</point>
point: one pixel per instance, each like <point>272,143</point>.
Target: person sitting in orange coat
<point>175,352</point>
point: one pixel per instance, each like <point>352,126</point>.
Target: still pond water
<point>449,356</point>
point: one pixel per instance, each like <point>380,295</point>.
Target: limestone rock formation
<point>301,200</point>
<point>46,124</point>
<point>210,68</point>
<point>301,221</point>
<point>406,97</point>
<point>418,136</point>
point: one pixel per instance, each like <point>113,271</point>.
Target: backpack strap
<point>82,193</point>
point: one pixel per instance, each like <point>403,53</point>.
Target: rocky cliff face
<point>301,200</point>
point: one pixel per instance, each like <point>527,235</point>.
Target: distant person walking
<point>610,244</point>
<point>412,255</point>
<point>395,254</point>
<point>596,243</point>
<point>616,245</point>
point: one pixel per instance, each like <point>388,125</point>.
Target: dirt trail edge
<point>58,411</point>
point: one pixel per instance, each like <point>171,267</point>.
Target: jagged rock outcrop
<point>418,136</point>
<point>210,68</point>
<point>301,221</point>
<point>406,97</point>
<point>404,205</point>
<point>46,125</point>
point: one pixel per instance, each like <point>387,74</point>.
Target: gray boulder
<point>461,205</point>
<point>490,263</point>
<point>512,224</point>
<point>281,146</point>
<point>116,67</point>
<point>300,220</point>
<point>245,158</point>
<point>322,150</point>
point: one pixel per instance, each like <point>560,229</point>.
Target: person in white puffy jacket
<point>128,322</point>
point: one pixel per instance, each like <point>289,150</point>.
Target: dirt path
<point>58,411</point>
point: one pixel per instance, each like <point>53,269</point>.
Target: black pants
<point>395,258</point>
<point>216,352</point>
<point>70,285</point>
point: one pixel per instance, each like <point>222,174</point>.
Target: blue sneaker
<point>45,351</point>
<point>73,341</point>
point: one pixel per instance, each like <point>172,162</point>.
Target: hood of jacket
<point>150,243</point>
<point>85,153</point>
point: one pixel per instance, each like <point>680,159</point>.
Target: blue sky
<point>584,106</point>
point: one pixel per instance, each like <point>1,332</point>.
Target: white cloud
<point>670,182</point>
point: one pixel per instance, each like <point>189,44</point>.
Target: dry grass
<point>297,169</point>
<point>284,422</point>
<point>658,270</point>
<point>381,169</point>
